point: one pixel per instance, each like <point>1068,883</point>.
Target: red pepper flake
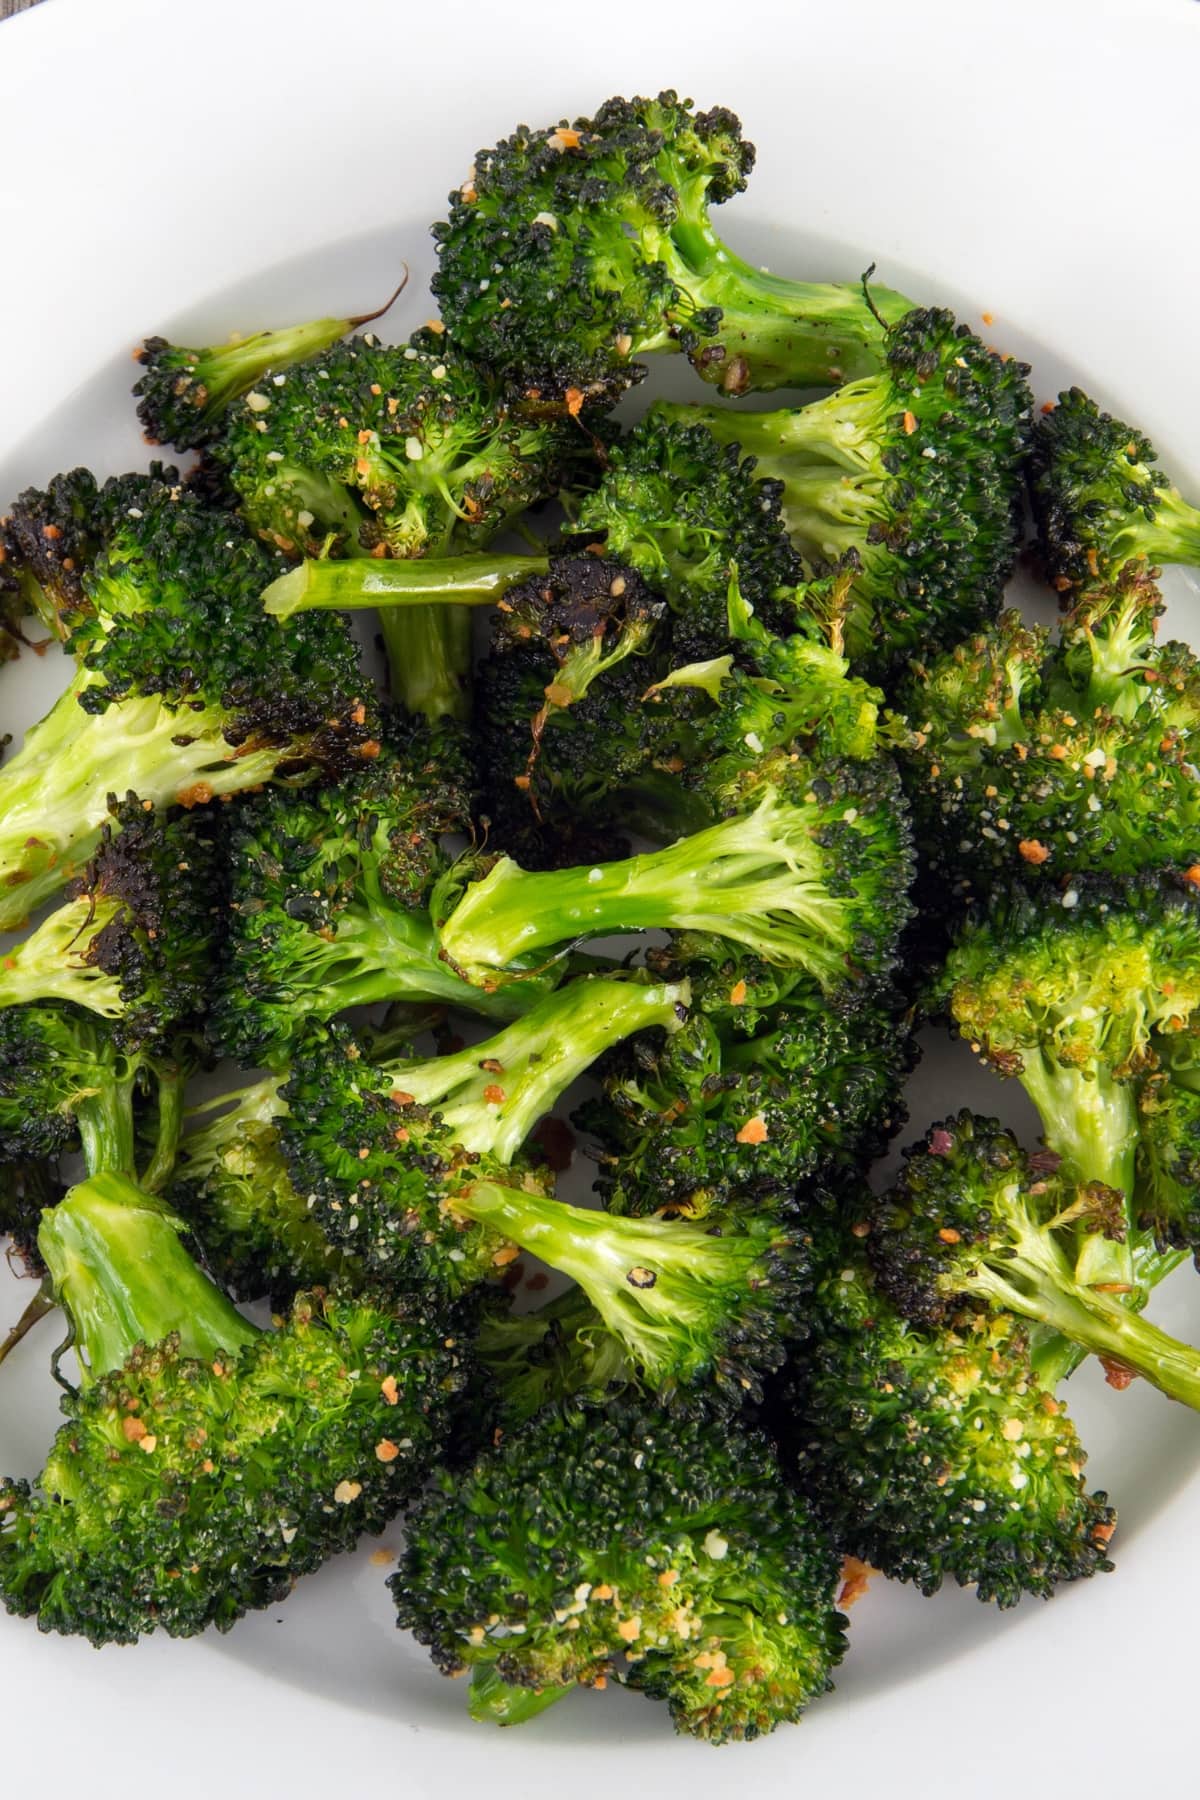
<point>940,1143</point>
<point>565,138</point>
<point>948,1235</point>
<point>493,1093</point>
<point>856,1578</point>
<point>737,994</point>
<point>910,423</point>
<point>754,1131</point>
<point>574,400</point>
<point>1117,1374</point>
<point>988,318</point>
<point>1033,852</point>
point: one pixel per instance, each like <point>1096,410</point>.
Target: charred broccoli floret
<point>660,1551</point>
<point>132,941</point>
<point>808,867</point>
<point>573,250</point>
<point>1083,995</point>
<point>184,394</point>
<point>939,1451</point>
<point>422,1169</point>
<point>559,1352</point>
<point>975,1223</point>
<point>392,452</point>
<point>917,469</point>
<point>1034,760</point>
<point>184,691</point>
<point>1099,500</point>
<point>205,1465</point>
<point>65,1084</point>
<point>768,1083</point>
<point>330,887</point>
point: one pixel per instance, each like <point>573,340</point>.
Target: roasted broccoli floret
<point>184,394</point>
<point>1099,501</point>
<point>808,868</point>
<point>1082,994</point>
<point>65,1083</point>
<point>1034,760</point>
<point>205,1465</point>
<point>559,1352</point>
<point>406,451</point>
<point>652,744</point>
<point>184,692</point>
<point>938,1451</point>
<point>768,1083</point>
<point>422,1169</point>
<point>330,887</point>
<point>975,1223</point>
<point>133,940</point>
<point>573,250</point>
<point>666,1553</point>
<point>917,469</point>
<point>54,534</point>
<point>233,1190</point>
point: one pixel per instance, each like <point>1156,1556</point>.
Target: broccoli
<point>28,1184</point>
<point>1099,502</point>
<point>64,1083</point>
<point>767,1084</point>
<point>132,940</point>
<point>418,1168</point>
<point>663,1552</point>
<point>573,250</point>
<point>1029,760</point>
<point>54,534</point>
<point>184,692</point>
<point>651,748</point>
<point>205,1465</point>
<point>232,1188</point>
<point>917,469</point>
<point>184,394</point>
<point>562,1350</point>
<point>1082,995</point>
<point>973,1223</point>
<point>808,867</point>
<point>940,1451</point>
<point>376,452</point>
<point>329,892</point>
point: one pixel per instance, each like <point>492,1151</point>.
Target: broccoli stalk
<point>184,393</point>
<point>778,877</point>
<point>973,1219</point>
<point>476,578</point>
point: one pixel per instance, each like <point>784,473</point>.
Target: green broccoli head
<point>976,1223</point>
<point>767,1084</point>
<point>63,1081</point>
<point>133,940</point>
<point>1099,501</point>
<point>189,1487</point>
<point>397,451</point>
<point>938,1452</point>
<point>662,1551</point>
<point>571,251</point>
<point>917,469</point>
<point>1167,1180</point>
<point>1033,761</point>
<point>561,1351</point>
<point>185,691</point>
<point>54,534</point>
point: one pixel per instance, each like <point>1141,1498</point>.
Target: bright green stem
<point>429,659</point>
<point>124,1278</point>
<point>491,1095</point>
<point>1171,536</point>
<point>1038,1284</point>
<point>757,879</point>
<point>50,963</point>
<point>170,1088</point>
<point>43,1302</point>
<point>54,791</point>
<point>774,332</point>
<point>323,584</point>
<point>494,1701</point>
<point>1093,1126</point>
<point>105,1121</point>
<point>1055,1357</point>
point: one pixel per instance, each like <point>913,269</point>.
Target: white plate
<point>204,168</point>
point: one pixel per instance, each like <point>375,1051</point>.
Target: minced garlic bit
<point>346,1491</point>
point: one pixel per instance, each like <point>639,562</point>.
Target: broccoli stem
<point>775,332</point>
<point>491,1095</point>
<point>124,1278</point>
<point>1055,1357</point>
<point>429,659</point>
<point>1093,1125</point>
<point>49,964</point>
<point>1171,535</point>
<point>104,1116</point>
<point>757,879</point>
<point>473,579</point>
<point>43,1302</point>
<point>1037,1282</point>
<point>169,1093</point>
<point>494,1701</point>
<point>227,370</point>
<point>54,791</point>
<point>665,1290</point>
